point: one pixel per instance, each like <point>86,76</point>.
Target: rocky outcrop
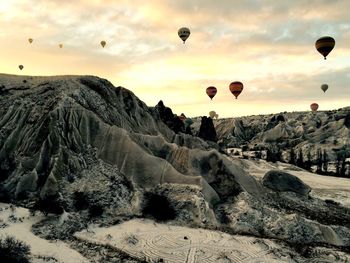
<point>281,181</point>
<point>56,129</point>
<point>166,115</point>
<point>207,130</point>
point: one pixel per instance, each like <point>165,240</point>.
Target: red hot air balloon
<point>236,88</point>
<point>211,92</point>
<point>324,45</point>
<point>314,107</point>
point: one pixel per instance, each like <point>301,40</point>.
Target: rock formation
<point>77,144</point>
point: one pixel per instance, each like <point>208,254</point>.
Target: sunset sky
<point>268,45</point>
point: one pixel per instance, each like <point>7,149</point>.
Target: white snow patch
<point>19,223</point>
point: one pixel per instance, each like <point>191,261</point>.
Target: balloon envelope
<point>211,92</point>
<point>103,43</point>
<point>30,40</point>
<point>212,114</point>
<point>184,33</point>
<point>236,88</point>
<point>20,67</point>
<point>314,106</point>
<point>324,87</point>
<point>60,45</point>
<point>324,45</point>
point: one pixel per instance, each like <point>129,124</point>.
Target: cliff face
<point>57,131</point>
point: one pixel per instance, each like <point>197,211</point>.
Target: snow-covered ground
<point>324,187</point>
<point>17,222</point>
<point>147,240</point>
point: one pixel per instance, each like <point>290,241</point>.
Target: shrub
<point>158,207</point>
<point>80,201</point>
<point>95,210</point>
<point>14,251</point>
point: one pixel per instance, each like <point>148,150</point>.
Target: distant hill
<point>319,137</point>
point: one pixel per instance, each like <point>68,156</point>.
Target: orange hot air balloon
<point>324,45</point>
<point>236,88</point>
<point>314,106</point>
<point>103,43</point>
<point>211,92</point>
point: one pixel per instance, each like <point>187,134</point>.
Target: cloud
<point>268,45</point>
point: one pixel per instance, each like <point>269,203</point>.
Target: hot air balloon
<point>103,43</point>
<point>30,40</point>
<point>20,67</point>
<point>212,114</point>
<point>236,88</point>
<point>314,107</point>
<point>184,33</point>
<point>60,45</point>
<point>324,45</point>
<point>324,87</point>
<point>211,92</point>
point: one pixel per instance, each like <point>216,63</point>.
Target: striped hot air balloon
<point>211,92</point>
<point>236,88</point>
<point>314,107</point>
<point>184,33</point>
<point>324,45</point>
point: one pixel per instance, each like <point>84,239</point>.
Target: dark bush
<point>80,201</point>
<point>245,148</point>
<point>158,207</point>
<point>51,204</point>
<point>14,251</point>
<point>95,210</point>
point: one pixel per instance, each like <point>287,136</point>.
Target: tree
<point>319,161</point>
<point>325,161</point>
<point>340,166</point>
<point>292,156</point>
<point>307,163</point>
<point>300,160</point>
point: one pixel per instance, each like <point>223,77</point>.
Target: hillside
<point>94,155</point>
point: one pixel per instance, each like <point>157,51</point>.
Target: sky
<point>268,45</point>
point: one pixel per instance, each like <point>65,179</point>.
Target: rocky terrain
<point>317,141</point>
<point>89,155</point>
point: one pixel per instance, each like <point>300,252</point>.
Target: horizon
<point>269,47</point>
